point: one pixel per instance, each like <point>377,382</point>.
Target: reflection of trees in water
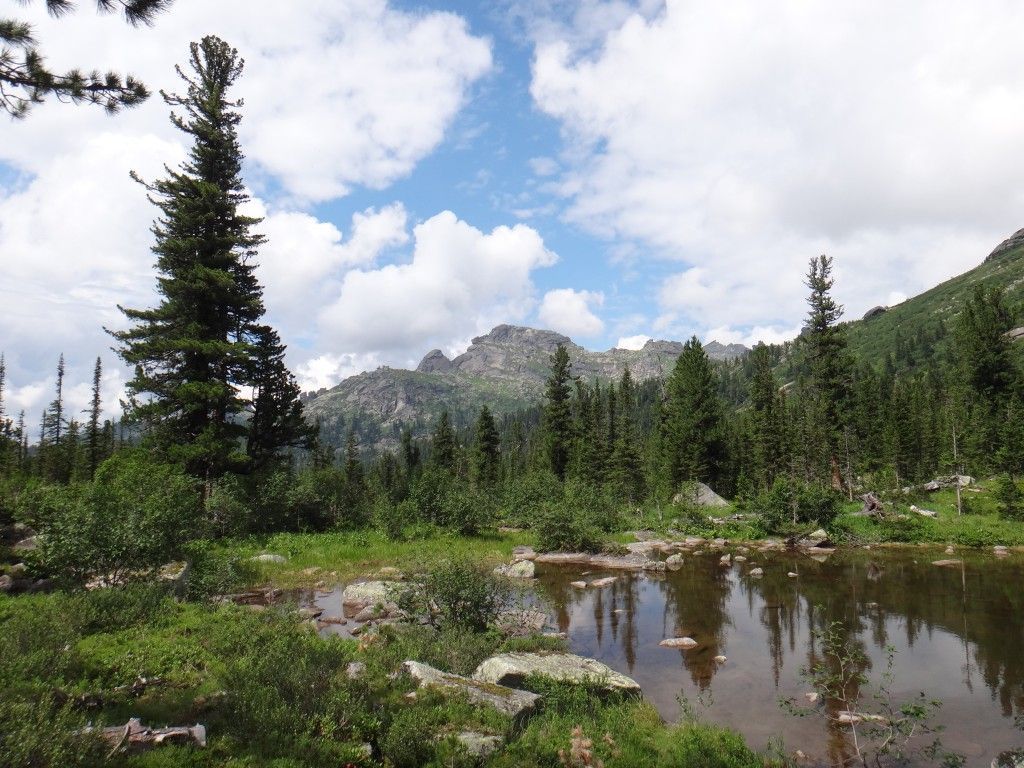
<point>696,598</point>
<point>623,604</point>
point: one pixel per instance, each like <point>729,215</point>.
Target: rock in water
<point>947,563</point>
<point>512,702</point>
<point>520,569</point>
<point>674,561</point>
<point>512,668</point>
<point>678,642</point>
<point>368,593</point>
<point>606,581</point>
<point>757,572</point>
<point>578,584</point>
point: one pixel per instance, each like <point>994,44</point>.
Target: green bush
<point>1011,501</point>
<point>560,526</point>
<point>812,505</point>
<point>43,734</point>
<point>137,514</point>
<point>445,500</point>
<point>523,497</point>
<point>466,594</point>
<point>906,529</point>
<point>706,746</point>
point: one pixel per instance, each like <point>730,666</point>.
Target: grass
<point>340,556</point>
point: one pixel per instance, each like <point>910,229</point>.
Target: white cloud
<point>751,336</point>
<point>458,277</point>
<point>632,342</point>
<point>337,94</point>
<point>570,312</point>
<point>327,370</point>
<point>543,166</point>
<point>744,138</point>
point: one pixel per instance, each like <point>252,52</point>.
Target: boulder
<point>176,574</point>
<point>563,558</point>
<point>521,622</point>
<point>874,312</point>
<point>947,563</point>
<point>523,553</point>
<point>679,642</point>
<point>792,575</point>
<point>520,569</point>
<point>756,572</point>
<point>701,495</point>
<point>674,561</point>
<point>721,659</point>
<point>28,544</point>
<point>725,560</point>
<point>368,593</point>
<point>578,584</point>
<point>923,512</point>
<point>1012,758</point>
<point>268,558</point>
<point>513,668</point>
<point>604,582</point>
<point>510,701</point>
<point>950,481</point>
<point>355,670</point>
<point>739,558</point>
<point>6,583</point>
<point>479,745</point>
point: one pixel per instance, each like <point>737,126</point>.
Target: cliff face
<point>504,369</point>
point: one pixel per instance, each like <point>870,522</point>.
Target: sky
<point>612,170</point>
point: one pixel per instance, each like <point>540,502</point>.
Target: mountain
<point>505,369</point>
<point>921,326</point>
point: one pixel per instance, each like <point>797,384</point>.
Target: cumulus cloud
<point>570,312</point>
<point>632,342</point>
<point>457,277</point>
<point>339,93</point>
<point>744,138</point>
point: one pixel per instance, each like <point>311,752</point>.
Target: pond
<point>958,635</point>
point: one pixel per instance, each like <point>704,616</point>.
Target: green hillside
<point>920,327</point>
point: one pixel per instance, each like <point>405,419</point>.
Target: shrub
<point>811,504</point>
<point>1011,501</point>
<point>524,497</point>
<point>42,734</point>
<point>215,571</point>
<point>466,594</point>
<point>136,515</point>
<point>706,746</point>
<point>907,529</point>
<point>446,500</point>
<point>561,526</point>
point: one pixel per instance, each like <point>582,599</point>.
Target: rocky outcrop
<point>874,312</point>
<point>700,495</point>
<point>512,702</point>
<point>1012,243</point>
<point>434,362</point>
<point>512,669</point>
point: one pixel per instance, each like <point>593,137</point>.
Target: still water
<point>958,634</point>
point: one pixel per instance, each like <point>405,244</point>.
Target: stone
<point>644,535</point>
<point>389,572</point>
<point>355,670</point>
<point>726,560</point>
<point>564,558</point>
<point>6,583</point>
<point>1012,758</point>
<point>874,312</point>
<point>679,642</point>
<point>812,697</point>
<point>479,745</point>
<point>756,572</point>
<point>923,512</point>
<point>701,495</point>
<point>309,612</point>
<point>950,551</point>
<point>521,622</point>
<point>268,558</point>
<point>28,544</point>
<point>721,659</point>
<point>367,593</point>
<point>513,668</point>
<point>792,575</point>
<point>523,553</point>
<point>510,701</point>
<point>521,569</point>
<point>674,561</point>
<point>176,574</point>
<point>578,584</point>
<point>434,362</point>
<point>739,558</point>
<point>817,536</point>
<point>947,563</point>
<point>606,581</point>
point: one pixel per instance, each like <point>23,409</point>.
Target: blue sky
<point>612,169</point>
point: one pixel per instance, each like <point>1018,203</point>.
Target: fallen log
<point>134,736</point>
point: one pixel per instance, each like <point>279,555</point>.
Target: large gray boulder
<point>513,668</point>
<point>510,701</point>
<point>521,569</point>
<point>479,745</point>
<point>700,495</point>
<point>356,597</point>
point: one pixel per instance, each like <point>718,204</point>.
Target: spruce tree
<point>354,492</point>
<point>194,352</point>
<point>829,371</point>
<point>626,471</point>
<point>558,431</point>
<point>94,434</point>
<point>444,449</point>
<point>692,444</point>
<point>764,403</point>
<point>486,450</point>
<point>277,421</point>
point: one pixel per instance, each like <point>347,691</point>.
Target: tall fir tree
<point>692,443</point>
<point>558,428</point>
<point>444,448</point>
<point>626,473</point>
<point>767,440</point>
<point>194,352</point>
<point>486,450</point>
<point>828,377</point>
<point>94,432</point>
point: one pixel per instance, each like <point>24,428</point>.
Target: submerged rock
<point>679,642</point>
<point>520,569</point>
<point>512,702</point>
<point>606,581</point>
<point>513,668</point>
<point>368,593</point>
<point>947,563</point>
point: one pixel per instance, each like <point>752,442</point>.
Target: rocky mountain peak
<point>1014,241</point>
<point>434,362</point>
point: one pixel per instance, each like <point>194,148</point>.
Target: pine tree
<point>355,480</point>
<point>444,449</point>
<point>626,472</point>
<point>692,445</point>
<point>25,79</point>
<point>94,434</point>
<point>829,373</point>
<point>194,352</point>
<point>277,421</point>
<point>764,403</point>
<point>558,431</point>
<point>486,450</point>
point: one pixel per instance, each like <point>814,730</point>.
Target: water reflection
<point>958,634</point>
